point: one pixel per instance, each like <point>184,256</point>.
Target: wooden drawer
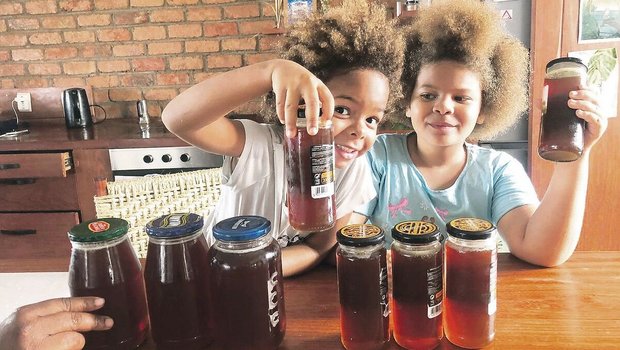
<point>39,194</point>
<point>36,235</point>
<point>34,165</point>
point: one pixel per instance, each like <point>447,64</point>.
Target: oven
<point>130,163</point>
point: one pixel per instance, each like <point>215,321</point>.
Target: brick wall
<point>130,49</point>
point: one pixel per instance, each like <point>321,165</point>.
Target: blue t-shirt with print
<point>491,184</point>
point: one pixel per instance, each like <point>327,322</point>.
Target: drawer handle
<point>18,232</point>
<point>26,181</point>
<point>7,166</point>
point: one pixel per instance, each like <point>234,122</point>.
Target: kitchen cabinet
<point>555,25</point>
<point>48,178</point>
<point>39,204</point>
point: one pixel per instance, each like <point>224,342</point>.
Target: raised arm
<point>197,115</point>
<point>548,235</point>
<point>300,258</point>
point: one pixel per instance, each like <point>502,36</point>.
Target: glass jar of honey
<point>562,132</point>
<point>471,279</point>
<point>103,264</point>
<point>417,284</point>
<point>362,287</point>
<point>311,177</point>
<point>245,283</point>
<point>175,273</point>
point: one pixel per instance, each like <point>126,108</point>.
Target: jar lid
<point>416,232</point>
<point>174,225</point>
<point>470,228</point>
<point>565,59</point>
<point>98,230</point>
<point>241,228</point>
<point>301,111</point>
<point>360,235</point>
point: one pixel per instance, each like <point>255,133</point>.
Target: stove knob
<point>185,157</point>
<point>148,158</point>
<point>166,158</point>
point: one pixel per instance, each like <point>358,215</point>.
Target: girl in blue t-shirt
<point>465,79</point>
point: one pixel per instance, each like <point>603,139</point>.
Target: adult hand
<point>52,324</point>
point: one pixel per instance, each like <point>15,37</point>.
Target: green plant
<point>601,64</point>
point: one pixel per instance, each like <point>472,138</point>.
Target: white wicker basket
<point>142,199</point>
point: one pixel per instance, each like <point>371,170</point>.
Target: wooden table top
<point>573,306</point>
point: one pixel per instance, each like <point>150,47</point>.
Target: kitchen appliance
<point>516,19</point>
<point>130,163</point>
<point>8,126</point>
<point>77,109</point>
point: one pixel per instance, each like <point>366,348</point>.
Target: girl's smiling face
<point>361,97</point>
<point>445,103</point>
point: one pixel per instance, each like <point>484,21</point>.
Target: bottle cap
<point>174,225</point>
<point>470,228</point>
<point>416,232</point>
<point>360,235</point>
<point>98,230</point>
<point>241,228</point>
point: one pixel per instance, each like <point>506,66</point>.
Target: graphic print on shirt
<point>443,213</point>
<point>400,208</point>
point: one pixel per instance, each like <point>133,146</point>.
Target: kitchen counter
<point>52,134</point>
<point>572,306</point>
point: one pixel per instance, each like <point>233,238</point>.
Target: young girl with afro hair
<point>346,62</point>
<point>465,79</point>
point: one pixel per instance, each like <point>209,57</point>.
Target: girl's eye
<point>373,120</point>
<point>342,110</point>
<point>462,99</point>
<point>427,96</point>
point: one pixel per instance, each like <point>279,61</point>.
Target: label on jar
<point>493,284</point>
<point>435,291</point>
<point>360,231</point>
<point>322,161</point>
<point>98,226</point>
<point>272,294</point>
<point>383,283</point>
<point>471,224</point>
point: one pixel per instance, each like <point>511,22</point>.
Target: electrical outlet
<point>24,103</point>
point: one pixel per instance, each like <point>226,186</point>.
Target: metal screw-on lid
<point>241,228</point>
<point>416,232</point>
<point>174,225</point>
<point>565,59</point>
<point>360,235</point>
<point>470,228</point>
<point>98,230</point>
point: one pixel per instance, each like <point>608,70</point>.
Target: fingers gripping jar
<point>245,282</point>
<point>362,287</point>
<point>176,282</point>
<point>310,177</point>
<point>561,131</point>
<point>104,264</point>
<point>471,279</point>
<point>417,278</point>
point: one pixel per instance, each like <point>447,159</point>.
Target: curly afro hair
<point>354,36</point>
<point>469,32</point>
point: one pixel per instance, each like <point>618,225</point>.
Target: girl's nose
<point>357,128</point>
<point>443,105</point>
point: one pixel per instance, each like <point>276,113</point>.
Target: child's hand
<point>292,83</point>
<point>586,102</point>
